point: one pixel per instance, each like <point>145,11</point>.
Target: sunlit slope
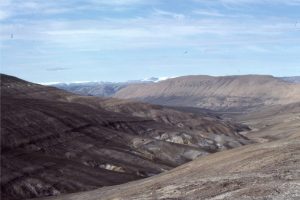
<point>218,93</point>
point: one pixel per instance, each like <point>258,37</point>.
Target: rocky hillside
<point>218,93</point>
<point>260,171</point>
<point>54,142</point>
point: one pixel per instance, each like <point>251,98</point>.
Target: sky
<point>118,40</point>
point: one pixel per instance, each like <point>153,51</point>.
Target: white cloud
<point>256,48</point>
<point>4,15</point>
<point>9,8</point>
<point>242,2</point>
<point>211,13</point>
<point>153,32</point>
<point>161,28</point>
<point>118,2</point>
<point>163,13</point>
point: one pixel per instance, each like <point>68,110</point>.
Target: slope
<point>218,93</point>
<point>259,171</point>
<point>54,142</point>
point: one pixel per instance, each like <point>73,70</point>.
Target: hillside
<point>267,170</point>
<point>272,122</point>
<point>259,171</point>
<point>217,93</point>
<point>54,142</point>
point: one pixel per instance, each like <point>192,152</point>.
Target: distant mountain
<point>292,79</point>
<point>218,93</point>
<point>155,79</point>
<point>104,89</point>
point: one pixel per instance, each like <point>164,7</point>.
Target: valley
<point>48,135</point>
<point>54,143</point>
<point>150,100</point>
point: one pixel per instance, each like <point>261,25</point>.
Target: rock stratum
<point>54,142</point>
<point>229,93</point>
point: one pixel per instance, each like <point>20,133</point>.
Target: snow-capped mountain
<point>155,79</point>
<point>99,88</point>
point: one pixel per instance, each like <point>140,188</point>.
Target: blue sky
<point>118,40</point>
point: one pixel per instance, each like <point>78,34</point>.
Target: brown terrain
<point>229,93</point>
<point>54,142</point>
<point>253,172</point>
<point>269,169</point>
<point>272,122</point>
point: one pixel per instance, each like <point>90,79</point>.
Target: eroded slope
<point>260,171</point>
<point>54,142</point>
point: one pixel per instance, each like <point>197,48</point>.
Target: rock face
<point>217,93</point>
<point>54,142</point>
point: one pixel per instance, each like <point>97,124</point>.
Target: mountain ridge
<point>109,89</point>
<point>225,92</point>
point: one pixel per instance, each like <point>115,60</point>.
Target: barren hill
<point>54,142</point>
<point>218,93</point>
<point>259,171</point>
<point>267,170</point>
